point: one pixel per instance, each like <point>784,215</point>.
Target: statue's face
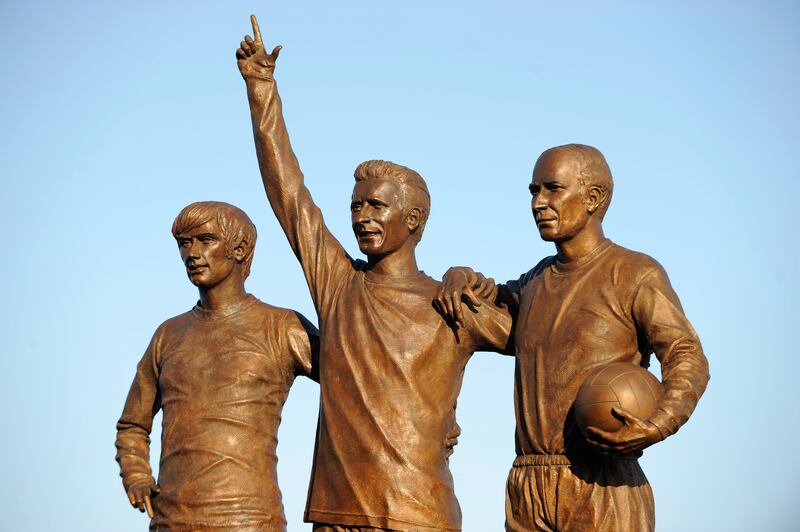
<point>557,197</point>
<point>379,223</point>
<point>203,252</point>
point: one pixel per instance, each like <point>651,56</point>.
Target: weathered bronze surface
<point>390,366</point>
<point>220,374</point>
<point>592,304</point>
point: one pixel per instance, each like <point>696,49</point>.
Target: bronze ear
<point>413,218</point>
<point>240,251</point>
<point>594,198</point>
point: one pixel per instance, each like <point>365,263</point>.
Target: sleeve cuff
<point>666,424</point>
<point>136,478</point>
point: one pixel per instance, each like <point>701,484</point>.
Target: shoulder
<point>634,264</point>
<point>170,330</point>
<point>289,319</point>
<point>427,282</point>
<point>541,265</point>
<point>425,287</point>
<point>537,270</point>
<point>173,323</point>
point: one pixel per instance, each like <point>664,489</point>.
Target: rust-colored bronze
<point>220,374</point>
<point>390,366</point>
<point>592,304</point>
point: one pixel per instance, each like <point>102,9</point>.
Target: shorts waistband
<point>563,459</point>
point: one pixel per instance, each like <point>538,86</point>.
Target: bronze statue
<point>592,304</point>
<point>390,365</point>
<point>220,373</point>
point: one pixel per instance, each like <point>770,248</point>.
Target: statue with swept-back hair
<point>413,191</point>
<point>220,374</point>
<point>592,304</point>
<point>390,365</point>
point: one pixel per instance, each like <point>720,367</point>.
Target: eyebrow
<point>185,236</point>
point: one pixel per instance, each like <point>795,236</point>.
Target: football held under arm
<point>660,320</point>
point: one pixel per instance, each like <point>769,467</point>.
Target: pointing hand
<point>253,60</point>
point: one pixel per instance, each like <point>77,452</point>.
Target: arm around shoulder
<point>462,286</point>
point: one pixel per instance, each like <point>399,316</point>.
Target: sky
<point>116,115</point>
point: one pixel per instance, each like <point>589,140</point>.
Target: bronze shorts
<point>554,492</point>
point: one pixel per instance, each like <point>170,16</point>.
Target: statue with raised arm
<point>592,304</point>
<point>220,374</point>
<point>391,367</point>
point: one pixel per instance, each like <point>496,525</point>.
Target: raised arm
<point>133,434</point>
<point>319,253</point>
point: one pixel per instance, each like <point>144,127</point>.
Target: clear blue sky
<point>116,115</point>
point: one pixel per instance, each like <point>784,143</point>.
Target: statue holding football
<point>390,355</point>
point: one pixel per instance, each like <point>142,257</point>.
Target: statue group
<point>390,354</point>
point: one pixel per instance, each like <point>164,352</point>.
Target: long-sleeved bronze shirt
<point>221,379</point>
<point>390,367</point>
<point>615,305</point>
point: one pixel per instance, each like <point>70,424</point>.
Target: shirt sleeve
<point>302,342</point>
<point>322,257</point>
<point>490,329</point>
<point>136,422</point>
<point>660,321</point>
<point>508,295</point>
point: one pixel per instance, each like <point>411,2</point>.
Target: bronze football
<point>621,385</point>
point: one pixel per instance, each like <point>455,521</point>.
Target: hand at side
<point>140,493</point>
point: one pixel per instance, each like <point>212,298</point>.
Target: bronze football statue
<point>220,374</point>
<point>391,367</point>
<point>591,304</point>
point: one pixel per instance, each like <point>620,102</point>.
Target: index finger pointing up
<point>256,30</point>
